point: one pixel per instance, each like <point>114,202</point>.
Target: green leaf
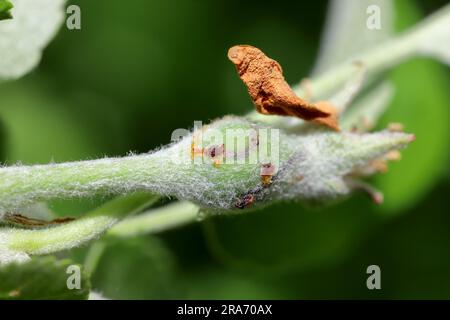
<point>346,33</point>
<point>368,108</point>
<point>156,220</point>
<point>421,104</point>
<point>41,278</point>
<point>139,268</point>
<point>125,205</point>
<point>23,38</point>
<point>62,237</point>
<point>289,237</point>
<point>5,7</point>
<point>212,283</point>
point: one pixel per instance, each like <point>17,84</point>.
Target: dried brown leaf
<point>24,221</point>
<point>270,92</point>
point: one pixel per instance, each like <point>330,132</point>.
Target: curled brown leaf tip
<point>270,92</point>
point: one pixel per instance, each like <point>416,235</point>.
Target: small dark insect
<point>245,201</point>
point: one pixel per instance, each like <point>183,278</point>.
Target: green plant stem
<point>75,233</point>
<point>126,205</point>
<point>157,220</point>
<point>94,255</point>
<point>20,186</point>
<point>23,185</point>
<point>54,239</point>
<point>375,61</point>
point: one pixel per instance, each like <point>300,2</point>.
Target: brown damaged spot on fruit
<point>245,202</point>
<point>267,171</point>
<point>270,92</point>
<point>215,151</point>
<point>266,180</point>
<point>216,154</point>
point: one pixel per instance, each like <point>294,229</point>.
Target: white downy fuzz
<point>16,244</point>
<point>212,169</point>
<point>9,256</point>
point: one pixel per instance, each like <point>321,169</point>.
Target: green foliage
<point>40,278</point>
<point>122,206</point>
<point>138,268</point>
<point>5,7</point>
<point>421,104</point>
<point>282,251</point>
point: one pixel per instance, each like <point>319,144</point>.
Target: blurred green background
<point>138,70</point>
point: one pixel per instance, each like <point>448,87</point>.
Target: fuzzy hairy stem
<point>50,240</point>
<point>156,220</point>
<point>23,185</point>
<point>375,61</point>
<point>312,167</point>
